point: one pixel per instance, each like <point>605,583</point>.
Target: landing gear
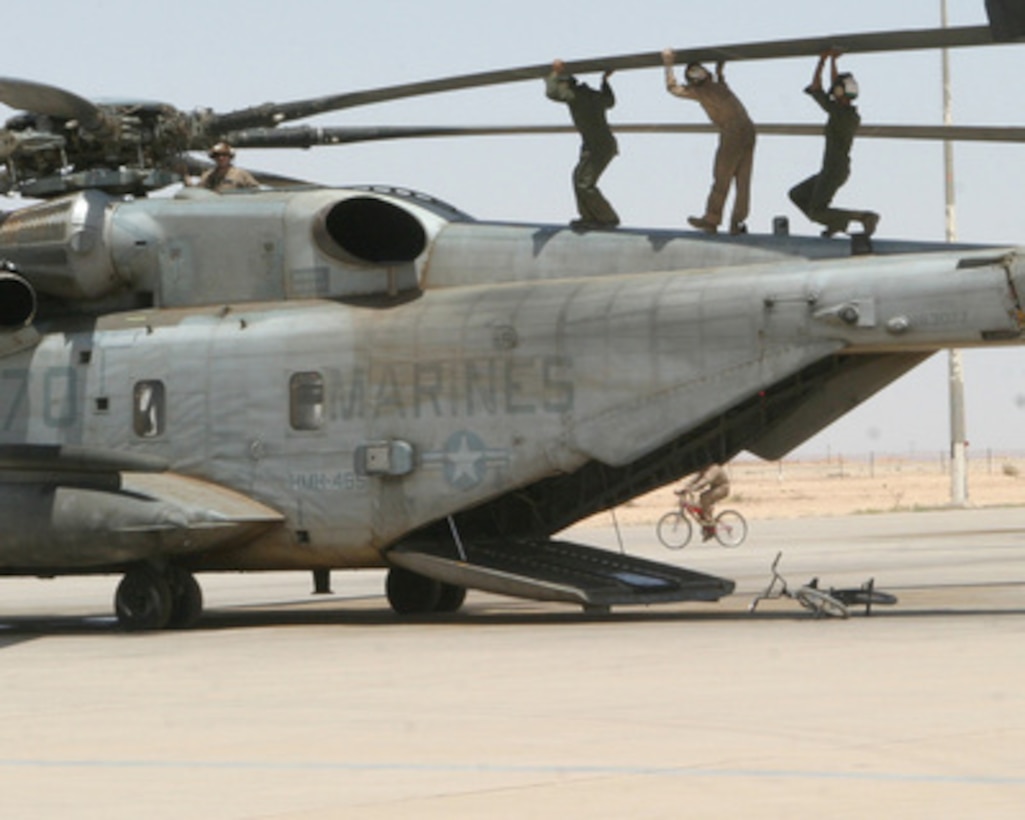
<point>410,593</point>
<point>187,598</point>
<point>148,598</point>
<point>451,598</point>
<point>143,600</point>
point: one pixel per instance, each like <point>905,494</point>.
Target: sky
<point>231,54</point>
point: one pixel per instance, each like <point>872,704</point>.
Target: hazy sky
<point>229,54</point>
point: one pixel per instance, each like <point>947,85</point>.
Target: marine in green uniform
<point>587,107</point>
<point>815,195</point>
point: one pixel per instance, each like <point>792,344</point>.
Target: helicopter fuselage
<point>310,379</point>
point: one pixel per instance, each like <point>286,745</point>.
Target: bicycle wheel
<point>863,597</point>
<point>730,528</point>
<point>821,603</point>
<point>674,530</point>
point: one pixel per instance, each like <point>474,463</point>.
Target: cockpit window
<point>306,392</point>
<point>149,414</point>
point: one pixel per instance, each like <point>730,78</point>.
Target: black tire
<point>864,597</point>
<point>451,598</point>
<point>186,598</point>
<point>730,528</point>
<point>410,593</point>
<point>821,603</point>
<point>674,530</point>
<point>143,600</point>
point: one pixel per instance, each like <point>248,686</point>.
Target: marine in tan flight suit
<point>224,176</point>
<point>734,159</point>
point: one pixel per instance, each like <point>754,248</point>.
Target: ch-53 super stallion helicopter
<point>310,378</point>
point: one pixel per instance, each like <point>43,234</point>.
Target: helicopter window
<point>149,409</point>
<point>306,391</point>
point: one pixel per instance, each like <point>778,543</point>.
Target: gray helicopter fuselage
<point>321,374</point>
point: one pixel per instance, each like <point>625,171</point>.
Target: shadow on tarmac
<point>375,612</point>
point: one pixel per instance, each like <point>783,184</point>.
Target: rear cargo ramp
<point>559,571</point>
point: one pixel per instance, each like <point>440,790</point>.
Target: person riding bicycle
<point>714,485</point>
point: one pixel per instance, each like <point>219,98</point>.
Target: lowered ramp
<point>558,571</point>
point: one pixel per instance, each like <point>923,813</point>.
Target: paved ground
<point>285,705</point>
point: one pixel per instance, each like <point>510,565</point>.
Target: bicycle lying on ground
<point>675,528</point>
<point>833,603</point>
<point>866,595</point>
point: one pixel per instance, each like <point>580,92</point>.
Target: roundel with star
<point>465,460</point>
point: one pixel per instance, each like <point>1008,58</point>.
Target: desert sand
<point>847,486</point>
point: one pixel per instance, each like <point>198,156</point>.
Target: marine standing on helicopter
<point>225,176</point>
<point>734,158</point>
<point>587,107</point>
<point>814,195</point>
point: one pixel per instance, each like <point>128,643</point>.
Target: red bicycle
<point>675,528</point>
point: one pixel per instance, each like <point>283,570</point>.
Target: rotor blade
<point>272,114</point>
<point>307,137</point>
<point>946,133</point>
<point>272,180</point>
<point>39,98</point>
<point>868,42</point>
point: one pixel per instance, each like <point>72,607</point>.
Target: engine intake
<point>369,230</point>
<point>17,302</point>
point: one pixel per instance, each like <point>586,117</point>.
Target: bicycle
<point>810,597</point>
<point>866,595</point>
<point>675,528</point>
<point>833,603</point>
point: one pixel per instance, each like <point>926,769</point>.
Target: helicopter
<point>310,378</point>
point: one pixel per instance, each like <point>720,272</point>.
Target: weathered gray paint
<point>507,355</point>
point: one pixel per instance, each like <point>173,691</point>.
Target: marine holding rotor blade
<point>815,195</point>
<point>734,159</point>
<point>587,107</point>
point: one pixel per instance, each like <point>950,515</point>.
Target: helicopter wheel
<point>451,598</point>
<point>186,596</point>
<point>410,593</point>
<point>143,600</point>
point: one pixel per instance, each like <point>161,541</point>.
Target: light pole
<point>958,466</point>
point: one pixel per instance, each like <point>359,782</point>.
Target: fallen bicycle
<point>834,602</point>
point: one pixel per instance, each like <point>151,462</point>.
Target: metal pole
<point>958,467</point>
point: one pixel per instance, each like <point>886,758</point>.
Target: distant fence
<point>987,461</point>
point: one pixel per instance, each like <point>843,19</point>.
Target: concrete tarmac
<point>281,704</point>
